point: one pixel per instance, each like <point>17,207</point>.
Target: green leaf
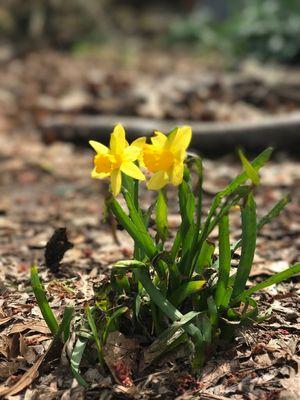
<point>206,328</point>
<point>224,261</point>
<point>148,213</point>
<point>171,330</point>
<point>235,196</point>
<point>249,315</point>
<point>42,301</point>
<point>244,314</point>
<point>249,169</point>
<point>257,163</point>
<point>274,212</point>
<point>64,326</point>
<point>205,257</point>
<point>119,281</point>
<point>164,304</point>
<point>139,234</point>
<point>187,228</point>
<point>186,233</point>
<point>240,193</point>
<point>228,293</point>
<point>111,320</point>
<point>66,322</point>
<point>185,319</point>
<point>248,245</point>
<point>132,186</point>
<point>197,163</point>
<point>176,245</point>
<point>169,339</point>
<point>185,290</point>
<point>187,240</point>
<point>129,264</point>
<point>138,221</point>
<point>161,216</point>
<point>96,337</point>
<point>212,310</point>
<point>130,190</point>
<point>76,358</point>
<point>186,202</point>
<point>129,185</point>
<point>161,301</point>
<point>137,230</point>
<point>272,280</point>
<point>165,344</point>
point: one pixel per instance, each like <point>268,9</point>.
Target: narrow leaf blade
<point>248,245</point>
<point>224,260</point>
<point>184,291</point>
<point>42,301</point>
<point>161,216</point>
<point>272,280</point>
<point>249,169</point>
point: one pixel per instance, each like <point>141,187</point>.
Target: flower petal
<point>116,181</point>
<point>139,142</point>
<point>159,139</point>
<point>130,169</point>
<point>176,173</point>
<point>98,147</point>
<point>131,153</point>
<point>180,139</point>
<point>158,181</point>
<point>98,175</point>
<point>117,140</point>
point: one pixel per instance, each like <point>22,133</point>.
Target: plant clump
<point>173,292</point>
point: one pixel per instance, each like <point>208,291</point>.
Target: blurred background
<point>206,61</point>
<point>268,30</point>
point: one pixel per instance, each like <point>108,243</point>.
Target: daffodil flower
<point>118,158</point>
<point>165,156</point>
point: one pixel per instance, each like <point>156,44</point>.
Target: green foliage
<point>248,245</point>
<point>42,301</point>
<point>224,262</point>
<point>264,29</point>
<point>161,216</point>
<point>185,292</point>
<point>191,277</point>
<point>61,332</point>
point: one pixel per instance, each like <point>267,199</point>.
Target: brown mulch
<point>46,187</point>
<point>43,188</point>
<point>166,86</point>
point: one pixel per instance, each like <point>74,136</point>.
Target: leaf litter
<point>44,188</point>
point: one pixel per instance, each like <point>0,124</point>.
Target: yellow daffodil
<point>118,158</point>
<point>165,156</point>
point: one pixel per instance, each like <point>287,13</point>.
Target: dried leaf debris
<point>54,191</point>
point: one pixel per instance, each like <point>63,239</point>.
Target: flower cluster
<point>163,158</point>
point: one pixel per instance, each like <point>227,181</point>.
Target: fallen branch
<point>281,132</point>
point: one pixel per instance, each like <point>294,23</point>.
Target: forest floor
<point>47,186</point>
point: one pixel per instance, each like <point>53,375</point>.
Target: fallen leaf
<point>30,325</point>
<point>120,354</point>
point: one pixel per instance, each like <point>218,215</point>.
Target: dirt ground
<point>43,187</point>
